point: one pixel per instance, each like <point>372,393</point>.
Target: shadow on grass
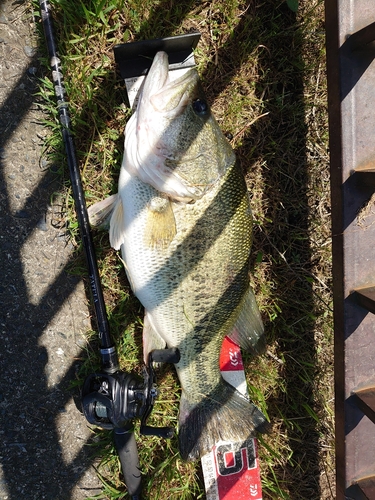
<point>284,240</point>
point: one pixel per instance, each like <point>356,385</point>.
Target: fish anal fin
<point>100,213</point>
<point>151,339</point>
<point>117,226</point>
<point>161,223</point>
<point>248,331</point>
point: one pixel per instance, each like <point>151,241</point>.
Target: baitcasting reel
<point>112,401</point>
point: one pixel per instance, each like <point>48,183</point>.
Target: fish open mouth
<point>165,93</point>
<point>176,94</point>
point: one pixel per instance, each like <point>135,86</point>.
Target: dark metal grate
<point>350,35</point>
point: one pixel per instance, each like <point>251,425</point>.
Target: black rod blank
<point>123,437</point>
<point>108,352</point>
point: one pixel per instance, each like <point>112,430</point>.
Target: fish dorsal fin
<point>117,226</point>
<point>248,332</point>
<point>160,223</point>
<point>100,213</point>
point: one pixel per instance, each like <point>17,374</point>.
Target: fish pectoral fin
<point>248,331</point>
<point>117,226</point>
<point>160,223</point>
<point>100,213</point>
<point>151,339</point>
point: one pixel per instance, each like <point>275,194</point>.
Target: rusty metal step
<point>367,486</point>
<point>365,400</point>
<point>363,37</point>
<point>368,168</point>
<point>362,489</point>
<point>366,297</point>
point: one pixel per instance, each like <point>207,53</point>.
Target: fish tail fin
<point>224,415</point>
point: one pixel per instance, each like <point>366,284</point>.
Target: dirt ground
<point>44,452</point>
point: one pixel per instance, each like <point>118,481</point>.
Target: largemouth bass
<point>183,222</point>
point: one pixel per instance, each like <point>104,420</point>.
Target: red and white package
<point>231,470</point>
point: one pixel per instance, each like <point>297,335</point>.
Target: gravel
<point>44,452</point>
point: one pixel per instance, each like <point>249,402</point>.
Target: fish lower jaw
<point>167,183</point>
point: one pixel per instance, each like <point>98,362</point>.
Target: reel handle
<point>171,355</point>
<point>163,432</point>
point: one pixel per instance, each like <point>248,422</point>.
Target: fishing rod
<point>111,399</point>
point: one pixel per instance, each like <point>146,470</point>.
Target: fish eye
<point>200,107</point>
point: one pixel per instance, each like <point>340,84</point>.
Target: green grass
<point>263,69</point>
